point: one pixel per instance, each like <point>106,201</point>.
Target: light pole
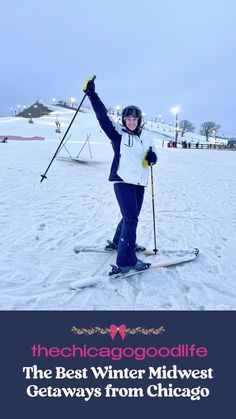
<point>117,113</point>
<point>175,111</point>
<point>73,101</point>
<point>214,136</point>
<point>30,118</point>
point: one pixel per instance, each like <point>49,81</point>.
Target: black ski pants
<point>130,199</point>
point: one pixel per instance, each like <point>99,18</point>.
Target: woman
<point>129,173</point>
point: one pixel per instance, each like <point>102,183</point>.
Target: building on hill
<point>67,105</point>
<point>35,111</point>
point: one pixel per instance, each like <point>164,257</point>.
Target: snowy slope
<point>195,197</point>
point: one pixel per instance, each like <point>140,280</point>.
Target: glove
<point>150,158</point>
<point>89,86</point>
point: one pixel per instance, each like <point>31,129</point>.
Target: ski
<point>147,252</point>
<point>189,256</point>
<point>175,259</point>
<point>95,249</point>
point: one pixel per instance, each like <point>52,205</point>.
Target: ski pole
<point>58,148</point>
<point>155,250</point>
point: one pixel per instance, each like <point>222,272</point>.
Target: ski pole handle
<point>151,164</point>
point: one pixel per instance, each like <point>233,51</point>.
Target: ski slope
<point>40,223</point>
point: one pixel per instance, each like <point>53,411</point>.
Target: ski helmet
<point>134,111</point>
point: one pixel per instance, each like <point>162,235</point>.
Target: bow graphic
<point>117,329</point>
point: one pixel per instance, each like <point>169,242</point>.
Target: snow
<point>42,222</point>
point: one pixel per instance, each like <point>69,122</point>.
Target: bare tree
<point>208,127</point>
<point>186,126</point>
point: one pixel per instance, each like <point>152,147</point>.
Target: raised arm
<point>109,127</point>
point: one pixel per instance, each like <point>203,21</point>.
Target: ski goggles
<point>134,112</point>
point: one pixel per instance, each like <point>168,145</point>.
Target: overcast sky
<point>154,53</point>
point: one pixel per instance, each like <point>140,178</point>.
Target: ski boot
<point>111,247</point>
<point>139,248</point>
<point>139,266</point>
